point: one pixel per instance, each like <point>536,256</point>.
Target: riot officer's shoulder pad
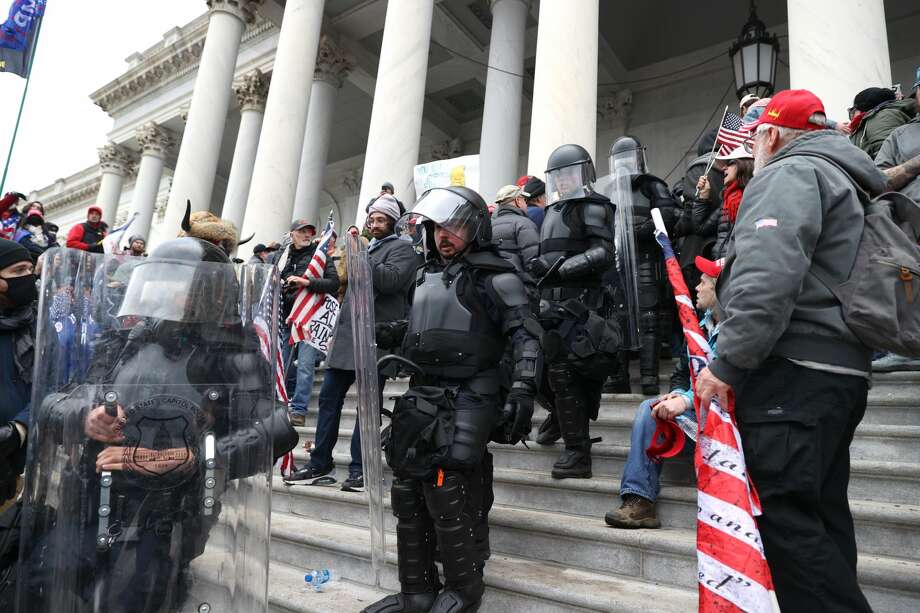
<point>508,289</point>
<point>598,213</point>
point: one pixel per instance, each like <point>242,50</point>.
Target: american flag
<point>730,135</point>
<point>263,330</point>
<point>309,304</point>
<point>732,569</point>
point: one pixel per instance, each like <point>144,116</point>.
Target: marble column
<point>501,117</point>
<point>156,143</point>
<point>332,68</point>
<point>838,48</point>
<point>399,97</point>
<point>207,115</point>
<point>116,163</point>
<point>270,206</point>
<point>565,85</point>
<point>250,94</point>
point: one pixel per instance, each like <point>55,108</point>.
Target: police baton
<point>552,270</point>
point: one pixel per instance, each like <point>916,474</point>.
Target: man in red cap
<point>640,484</point>
<point>89,234</point>
<point>799,375</point>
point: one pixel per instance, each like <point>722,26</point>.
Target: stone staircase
<point>552,552</point>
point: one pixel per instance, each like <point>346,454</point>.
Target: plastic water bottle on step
<point>316,580</point>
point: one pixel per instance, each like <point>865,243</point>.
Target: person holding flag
<point>795,372</point>
<point>308,275</point>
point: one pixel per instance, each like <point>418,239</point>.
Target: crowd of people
<point>545,295</point>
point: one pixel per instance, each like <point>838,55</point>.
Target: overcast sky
<point>83,46</point>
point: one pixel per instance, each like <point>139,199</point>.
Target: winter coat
<point>393,263</point>
<point>732,196</point>
<point>879,122</point>
<point>296,266</point>
<point>800,214</point>
<point>901,145</point>
<point>87,236</point>
<point>516,237</point>
<point>17,350</point>
<point>35,239</point>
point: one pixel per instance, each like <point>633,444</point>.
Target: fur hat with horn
<point>209,227</point>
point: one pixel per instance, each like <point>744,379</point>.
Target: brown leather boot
<point>635,512</point>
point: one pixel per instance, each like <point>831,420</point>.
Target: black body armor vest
<point>450,333</point>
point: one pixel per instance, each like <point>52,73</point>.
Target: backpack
<point>881,298</point>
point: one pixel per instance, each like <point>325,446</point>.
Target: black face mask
<point>21,290</point>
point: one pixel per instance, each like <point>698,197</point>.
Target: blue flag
<point>18,35</point>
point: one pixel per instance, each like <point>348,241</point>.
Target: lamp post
<point>754,56</point>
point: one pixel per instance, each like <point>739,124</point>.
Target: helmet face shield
<point>181,291</point>
<point>569,182</point>
<point>629,161</point>
<point>445,209</point>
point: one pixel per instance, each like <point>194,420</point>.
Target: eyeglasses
<point>748,145</point>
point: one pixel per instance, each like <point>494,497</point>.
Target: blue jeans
<point>641,476</point>
<point>306,365</point>
<point>336,384</point>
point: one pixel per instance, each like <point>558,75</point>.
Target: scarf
<point>21,323</point>
<point>731,199</point>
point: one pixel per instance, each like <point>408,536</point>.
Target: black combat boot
<point>548,432</point>
<point>449,503</point>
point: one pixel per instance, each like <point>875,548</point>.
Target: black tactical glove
<point>517,415</point>
<point>7,480</point>
<point>390,334</point>
<point>539,266</point>
<point>10,441</point>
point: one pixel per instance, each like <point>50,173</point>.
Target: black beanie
<point>11,253</point>
<point>534,188</point>
<point>869,98</point>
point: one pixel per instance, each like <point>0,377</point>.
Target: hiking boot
<point>403,603</point>
<point>895,363</point>
<point>635,512</point>
<point>354,483</point>
<point>298,419</point>
<point>573,464</point>
<point>650,386</point>
<point>549,432</point>
<point>312,474</point>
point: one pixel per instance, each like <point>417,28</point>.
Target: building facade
<point>263,110</point>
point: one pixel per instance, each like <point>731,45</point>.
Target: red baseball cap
<point>791,108</point>
<point>522,181</point>
<point>95,208</point>
<point>711,268</point>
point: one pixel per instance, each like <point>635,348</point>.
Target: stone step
<point>666,556</point>
<point>513,583</point>
<point>881,527</point>
<point>287,594</point>
<point>870,479</point>
<point>892,404</point>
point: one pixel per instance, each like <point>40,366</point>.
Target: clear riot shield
<point>618,187</point>
<point>361,299</point>
<point>148,477</point>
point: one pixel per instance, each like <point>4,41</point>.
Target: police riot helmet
<point>458,209</point>
<point>185,280</point>
<point>628,154</point>
<point>569,174</point>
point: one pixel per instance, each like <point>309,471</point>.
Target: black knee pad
<point>407,498</point>
<point>561,377</point>
<point>448,500</point>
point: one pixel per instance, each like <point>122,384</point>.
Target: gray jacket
<point>516,236</point>
<point>393,264</point>
<point>901,145</point>
<point>800,213</point>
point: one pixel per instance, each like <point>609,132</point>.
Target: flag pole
<point>713,150</point>
<point>22,104</point>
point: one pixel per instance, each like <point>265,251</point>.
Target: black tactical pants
<point>796,427</point>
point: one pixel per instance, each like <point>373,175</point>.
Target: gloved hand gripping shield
<point>361,299</point>
<point>619,190</point>
<point>151,443</point>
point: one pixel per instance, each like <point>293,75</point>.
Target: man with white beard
<point>799,375</point>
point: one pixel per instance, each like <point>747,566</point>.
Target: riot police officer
<point>469,303</point>
<point>579,344</point>
<point>171,423</point>
<point>648,192</point>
